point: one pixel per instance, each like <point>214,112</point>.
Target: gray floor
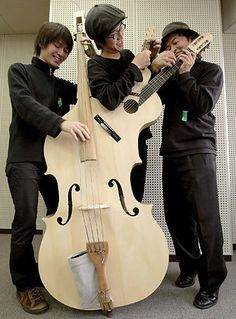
<point>167,302</point>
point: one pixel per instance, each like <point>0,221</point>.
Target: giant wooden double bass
<point>97,211</point>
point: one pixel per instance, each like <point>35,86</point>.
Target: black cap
<point>102,19</point>
<point>174,27</point>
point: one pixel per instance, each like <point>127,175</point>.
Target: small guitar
<point>131,104</point>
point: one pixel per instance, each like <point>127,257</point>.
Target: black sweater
<point>111,80</point>
<point>38,99</point>
<point>196,92</point>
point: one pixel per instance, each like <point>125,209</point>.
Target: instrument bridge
<point>93,207</point>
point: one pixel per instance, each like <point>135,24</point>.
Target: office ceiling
<point>22,16</point>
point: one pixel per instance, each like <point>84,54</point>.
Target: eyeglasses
<point>114,34</point>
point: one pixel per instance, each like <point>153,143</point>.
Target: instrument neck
<point>88,149</point>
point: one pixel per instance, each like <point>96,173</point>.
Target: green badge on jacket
<point>59,101</point>
<point>184,116</point>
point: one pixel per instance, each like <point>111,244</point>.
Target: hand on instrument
<point>165,58</point>
<point>188,58</point>
<point>78,130</point>
<point>142,59</point>
<point>88,46</point>
<point>154,47</point>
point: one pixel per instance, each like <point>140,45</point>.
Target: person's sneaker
<point>32,300</point>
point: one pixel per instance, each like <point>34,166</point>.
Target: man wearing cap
<point>113,73</point>
<point>189,163</point>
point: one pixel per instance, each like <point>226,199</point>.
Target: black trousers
<point>138,174</point>
<point>25,181</point>
<point>193,218</point>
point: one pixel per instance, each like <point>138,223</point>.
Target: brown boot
<point>32,301</point>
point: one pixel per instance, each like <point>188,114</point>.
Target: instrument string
<point>96,202</point>
<point>84,169</point>
<point>156,82</point>
<point>92,213</point>
<point>152,86</point>
<point>131,105</point>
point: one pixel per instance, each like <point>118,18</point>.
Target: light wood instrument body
<point>138,252</point>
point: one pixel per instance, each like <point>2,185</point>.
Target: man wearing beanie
<point>113,73</point>
<point>189,163</point>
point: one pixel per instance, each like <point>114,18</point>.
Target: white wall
<point>13,48</point>
<point>229,16</point>
<point>229,42</point>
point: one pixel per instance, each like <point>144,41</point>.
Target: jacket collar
<point>40,64</point>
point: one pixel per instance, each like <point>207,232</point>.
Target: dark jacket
<point>38,99</point>
<point>196,92</point>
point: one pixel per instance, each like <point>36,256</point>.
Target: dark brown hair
<point>51,32</point>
